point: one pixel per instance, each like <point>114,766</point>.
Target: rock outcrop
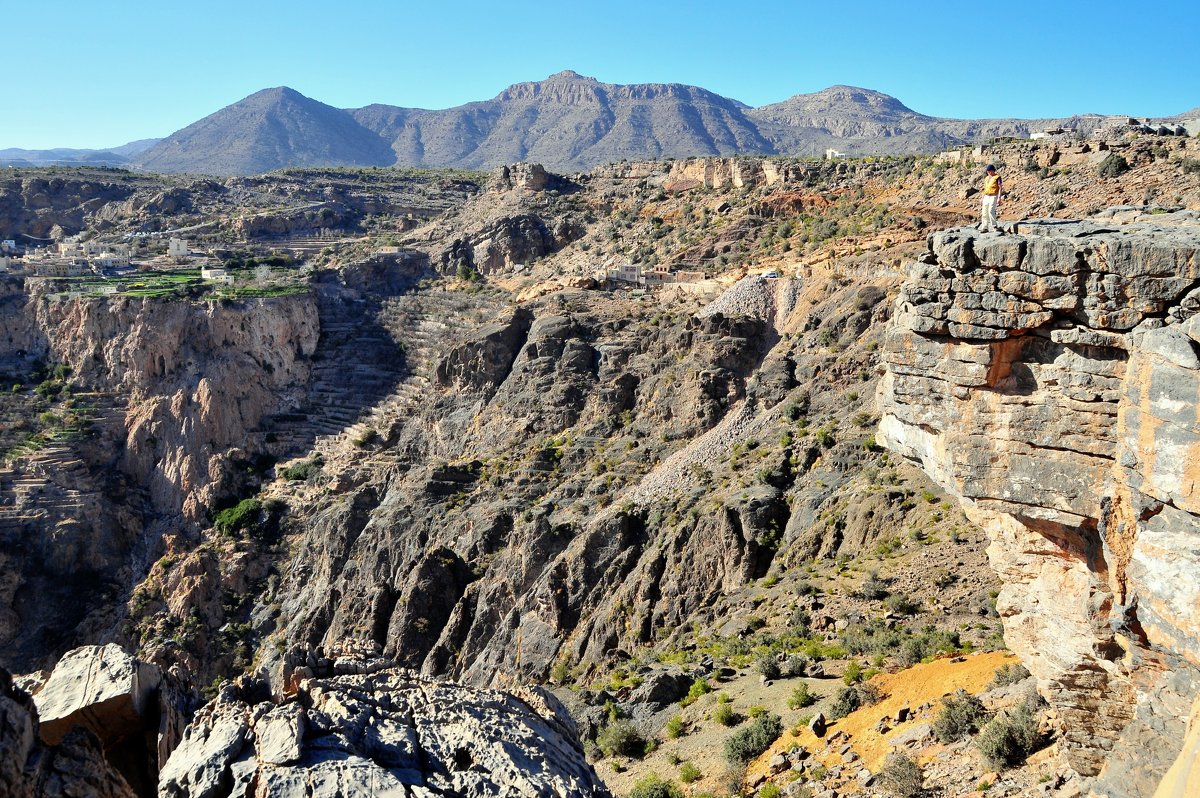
<point>373,729</point>
<point>98,725</point>
<point>176,391</point>
<point>515,580</point>
<point>1050,380</point>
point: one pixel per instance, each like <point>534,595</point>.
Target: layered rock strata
<point>177,390</point>
<point>372,729</point>
<point>1050,380</point>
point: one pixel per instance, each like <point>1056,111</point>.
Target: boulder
<point>29,768</point>
<point>390,732</point>
<point>100,688</point>
<point>661,688</point>
<point>817,724</point>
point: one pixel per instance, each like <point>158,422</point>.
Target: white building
<point>177,248</point>
<point>110,260</point>
<point>4,261</point>
<point>625,273</point>
<point>832,155</point>
<point>60,267</point>
<point>216,274</point>
<point>8,245</point>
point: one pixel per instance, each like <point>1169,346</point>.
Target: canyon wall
<point>1050,379</point>
<point>198,378</point>
<point>174,392</point>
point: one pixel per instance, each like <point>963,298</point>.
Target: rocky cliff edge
<point>1049,378</point>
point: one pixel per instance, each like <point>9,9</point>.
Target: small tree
<point>846,701</point>
<point>621,738</point>
<point>1113,166</point>
<point>769,667</point>
<point>801,697</point>
<point>744,745</point>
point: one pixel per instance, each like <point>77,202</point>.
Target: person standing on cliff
<point>992,188</point>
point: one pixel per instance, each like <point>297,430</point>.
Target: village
<point>75,267</point>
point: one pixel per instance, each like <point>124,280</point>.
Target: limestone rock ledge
<point>382,733</point>
<point>1050,379</point>
<point>98,725</point>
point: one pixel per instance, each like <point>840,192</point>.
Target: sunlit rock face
<point>1049,378</point>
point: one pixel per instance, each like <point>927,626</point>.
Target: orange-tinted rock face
<point>198,377</point>
<point>1050,379</point>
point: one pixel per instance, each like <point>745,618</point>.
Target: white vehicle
<point>771,274</point>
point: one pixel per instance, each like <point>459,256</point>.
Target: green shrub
<point>927,644</point>
<point>846,701</point>
<point>653,786</point>
<point>854,673</point>
<point>769,790</point>
<point>1009,738</point>
<point>961,715</point>
<point>675,727</point>
<point>621,738</point>
<point>874,638</point>
<point>801,697</point>
<point>901,604</point>
<point>725,715</point>
<point>302,471</point>
<point>744,745</point>
<point>688,773</point>
<point>795,665</point>
<point>902,777</point>
<point>768,666</point>
<point>1113,166</point>
<point>699,687</point>
<point>874,588</point>
<point>1009,674</point>
<point>49,389</point>
<point>243,516</point>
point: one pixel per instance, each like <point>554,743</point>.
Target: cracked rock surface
<point>384,733</point>
<point>1049,378</point>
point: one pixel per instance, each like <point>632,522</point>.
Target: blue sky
<point>94,74</point>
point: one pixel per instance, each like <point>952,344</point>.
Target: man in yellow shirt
<point>993,186</point>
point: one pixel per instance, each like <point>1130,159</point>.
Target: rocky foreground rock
<point>1050,379</point>
<point>97,726</point>
<point>103,722</point>
<point>384,733</point>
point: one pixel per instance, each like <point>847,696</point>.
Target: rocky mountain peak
<point>841,96</point>
<point>268,130</point>
<point>570,74</point>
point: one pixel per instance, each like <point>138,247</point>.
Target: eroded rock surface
<point>384,733</point>
<point>1050,380</point>
<point>75,765</point>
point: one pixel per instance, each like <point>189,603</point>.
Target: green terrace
<point>187,284</point>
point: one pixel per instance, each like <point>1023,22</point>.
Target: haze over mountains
<point>566,122</point>
<point>107,156</point>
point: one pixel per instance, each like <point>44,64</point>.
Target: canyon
<point>443,466</point>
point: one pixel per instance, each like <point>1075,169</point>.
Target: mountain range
<point>108,156</point>
<point>566,122</point>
